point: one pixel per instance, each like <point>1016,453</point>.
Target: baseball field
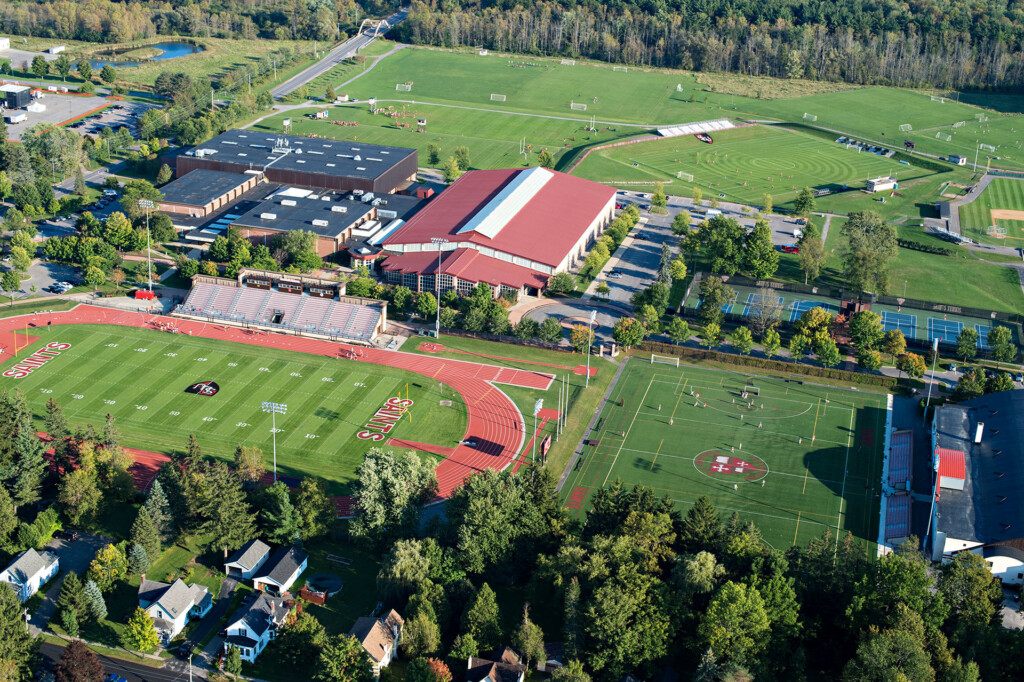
<point>1000,205</point>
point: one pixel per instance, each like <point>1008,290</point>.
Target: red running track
<point>494,422</point>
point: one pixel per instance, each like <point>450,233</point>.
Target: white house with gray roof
<point>29,571</point>
<point>172,606</point>
<point>253,626</point>
<point>244,563</point>
<point>281,570</point>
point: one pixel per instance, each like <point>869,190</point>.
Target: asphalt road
<point>336,56</point>
<point>133,672</point>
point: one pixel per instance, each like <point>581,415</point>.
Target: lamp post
<point>274,409</point>
<point>590,342</point>
<point>439,242</point>
<point>928,400</point>
<point>147,204</point>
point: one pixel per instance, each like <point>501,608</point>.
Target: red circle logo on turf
<point>203,388</point>
<point>730,464</point>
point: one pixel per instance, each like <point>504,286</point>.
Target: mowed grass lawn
<point>804,458</point>
<point>493,138</point>
<point>976,217</point>
<point>140,376</point>
<point>744,164</point>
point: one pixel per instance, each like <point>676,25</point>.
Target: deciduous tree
<point>628,332</point>
<point>391,487</point>
<point>895,344</point>
<point>528,640</point>
<point>481,620</point>
<point>866,330</point>
<point>342,657</point>
<point>678,330</point>
<point>709,335</point>
<point>736,622</point>
<point>108,567</point>
<point>742,340</point>
<point>771,342</point>
<point>580,337</point>
<point>79,495</point>
<point>139,633</point>
<point>249,466</point>
<point>869,250</point>
<point>78,663</point>
<point>714,296</point>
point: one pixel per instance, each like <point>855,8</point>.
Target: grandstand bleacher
<point>698,127</point>
<point>897,516</point>
<point>272,309</point>
<point>900,457</point>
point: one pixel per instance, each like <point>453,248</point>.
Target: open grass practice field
<point>141,376</point>
<point>744,164</point>
<point>1001,205</point>
<point>801,459</point>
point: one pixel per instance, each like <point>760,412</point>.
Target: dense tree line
<point>938,43</point>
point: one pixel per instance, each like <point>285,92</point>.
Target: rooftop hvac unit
<point>387,215</point>
<point>313,196</point>
<point>978,432</point>
<point>357,158</point>
<point>325,198</point>
<point>287,202</point>
<point>338,209</point>
<point>298,151</point>
<point>376,202</point>
<point>268,216</point>
<point>357,192</point>
<point>321,223</point>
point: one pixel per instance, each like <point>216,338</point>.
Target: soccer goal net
<point>685,176</point>
<point>576,106</point>
<point>986,147</point>
<point>810,117</point>
<point>403,87</point>
<point>960,124</point>
<point>752,390</point>
<point>982,118</point>
<point>943,136</point>
<point>619,68</point>
<point>905,127</point>
<point>938,99</point>
<point>568,62</point>
<point>664,360</point>
<point>679,87</point>
<point>979,116</point>
<point>497,98</point>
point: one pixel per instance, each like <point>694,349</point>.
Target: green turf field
<point>744,164</point>
<point>140,377</point>
<point>976,217</point>
<point>803,458</point>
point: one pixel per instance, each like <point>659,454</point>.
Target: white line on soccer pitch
<point>842,493</point>
<point>691,459</point>
<point>770,396</point>
<point>755,431</point>
<point>747,511</point>
<point>614,461</point>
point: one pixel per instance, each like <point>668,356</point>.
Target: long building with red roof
<point>511,229</point>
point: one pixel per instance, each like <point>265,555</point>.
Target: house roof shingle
<point>176,598</point>
<point>481,669</point>
<point>249,554</point>
<point>261,613</point>
<point>377,635</point>
<point>29,563</point>
<point>282,565</point>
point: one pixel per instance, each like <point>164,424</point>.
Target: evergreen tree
<point>143,533</point>
<point>72,596</point>
<point>702,528</point>
<point>463,647</point>
<point>572,634</point>
<point>138,560</point>
<point>8,516</point>
<point>29,465</point>
<point>56,424</point>
<point>315,509</point>
<point>17,646</point>
<point>139,633</point>
<point>224,509</point>
<point>94,599</point>
<point>278,518</point>
<point>70,622</point>
<point>481,620</point>
<point>80,187</point>
<point>193,453</point>
<point>159,510</point>
<point>78,663</point>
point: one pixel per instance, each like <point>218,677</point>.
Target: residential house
<point>172,606</point>
<point>29,571</point>
<point>252,627</point>
<point>244,563</point>
<point>380,637</point>
<point>281,570</point>
<point>554,657</point>
<point>503,666</point>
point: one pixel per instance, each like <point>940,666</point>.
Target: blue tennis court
<point>983,331</point>
<point>801,307</point>
<point>727,308</point>
<point>902,321</point>
<point>754,300</point>
<point>945,330</point>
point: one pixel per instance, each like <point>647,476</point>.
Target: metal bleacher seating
<point>900,458</point>
<point>897,517</point>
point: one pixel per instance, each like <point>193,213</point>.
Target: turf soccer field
<point>744,164</point>
<point>1002,205</point>
<point>141,376</point>
<point>799,459</point>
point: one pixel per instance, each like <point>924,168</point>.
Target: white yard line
<point>842,494</point>
<point>639,405</point>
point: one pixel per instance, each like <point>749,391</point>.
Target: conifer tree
<point>94,599</point>
<point>143,533</point>
<point>159,511</point>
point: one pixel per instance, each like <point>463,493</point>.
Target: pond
<point>167,51</point>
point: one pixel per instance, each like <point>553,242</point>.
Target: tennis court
<point>944,330</point>
<point>905,322</point>
<point>756,301</point>
<point>801,307</point>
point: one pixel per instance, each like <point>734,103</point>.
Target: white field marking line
<point>692,459</point>
<point>842,493</point>
<point>626,437</point>
<point>756,430</point>
<point>716,387</point>
<point>744,511</point>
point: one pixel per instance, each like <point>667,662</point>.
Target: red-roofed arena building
<point>511,229</point>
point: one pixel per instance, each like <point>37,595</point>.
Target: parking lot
<point>59,108</point>
<point>118,115</point>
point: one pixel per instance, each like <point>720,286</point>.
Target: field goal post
<point>497,98</point>
<point>906,127</point>
<point>751,390</point>
<point>664,360</point>
<point>810,117</point>
<point>568,62</point>
<point>403,87</point>
<point>576,106</point>
<point>943,136</point>
<point>623,69</point>
<point>682,175</point>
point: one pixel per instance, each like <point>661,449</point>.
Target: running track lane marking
<point>616,459</point>
<point>656,454</point>
<point>842,494</point>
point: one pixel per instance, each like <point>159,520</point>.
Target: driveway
<point>572,312</point>
<point>45,273</point>
<point>75,556</point>
<point>208,656</point>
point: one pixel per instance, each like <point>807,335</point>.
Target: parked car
<point>66,534</point>
<point>185,650</point>
<point>614,275</point>
<point>790,248</point>
<point>952,367</point>
<point>112,677</point>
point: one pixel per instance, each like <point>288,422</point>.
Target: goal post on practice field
<point>751,390</point>
<point>685,176</point>
<point>403,87</point>
<point>986,147</point>
<point>906,127</point>
<point>940,100</point>
<point>620,68</point>
<point>664,360</point>
<point>810,117</point>
<point>960,124</point>
<point>576,106</point>
<point>943,136</point>
<point>568,62</point>
<point>497,98</point>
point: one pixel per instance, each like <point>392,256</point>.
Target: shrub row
<point>927,248</point>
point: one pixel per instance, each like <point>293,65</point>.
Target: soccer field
<point>141,376</point>
<point>743,164</point>
<point>1004,197</point>
<point>794,458</point>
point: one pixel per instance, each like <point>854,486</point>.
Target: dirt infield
<point>1005,214</point>
<point>494,422</point>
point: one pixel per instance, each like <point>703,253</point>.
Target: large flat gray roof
<point>260,150</point>
<point>299,213</point>
<point>201,186</point>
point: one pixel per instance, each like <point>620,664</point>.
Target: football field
<point>791,457</point>
<point>142,377</point>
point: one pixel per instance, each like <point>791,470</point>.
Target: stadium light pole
<point>147,204</point>
<point>274,409</point>
<point>590,343</point>
<point>537,407</point>
<point>439,242</point>
<point>928,400</point>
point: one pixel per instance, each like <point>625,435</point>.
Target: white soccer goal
<point>619,68</point>
<point>497,98</point>
<point>906,127</point>
<point>943,136</point>
<point>679,87</point>
<point>810,117</point>
<point>986,147</point>
<point>941,100</point>
<point>576,106</point>
<point>979,116</point>
<point>960,124</point>
<point>664,360</point>
<point>752,390</point>
<point>568,62</point>
<point>982,118</point>
<point>685,176</point>
<point>403,87</point>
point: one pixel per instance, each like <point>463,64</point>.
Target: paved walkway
<point>954,206</point>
